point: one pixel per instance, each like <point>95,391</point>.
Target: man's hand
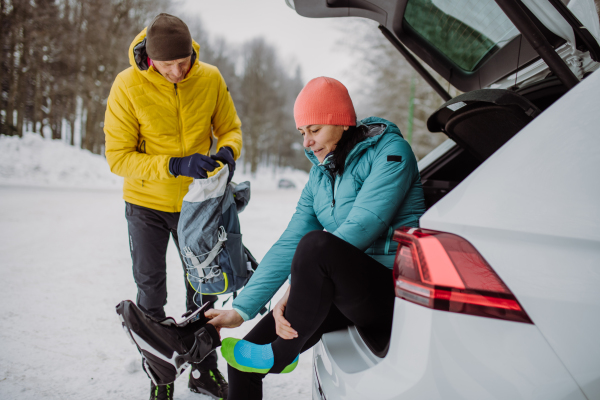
<point>194,166</point>
<point>224,318</point>
<point>225,155</point>
<point>282,326</point>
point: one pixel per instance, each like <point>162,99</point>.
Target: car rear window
<point>465,31</point>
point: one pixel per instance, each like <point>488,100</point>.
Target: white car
<point>498,292</point>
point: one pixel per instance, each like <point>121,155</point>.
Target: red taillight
<point>445,272</point>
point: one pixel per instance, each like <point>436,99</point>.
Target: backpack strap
<point>215,250</point>
<point>201,267</point>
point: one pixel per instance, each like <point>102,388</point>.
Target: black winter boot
<point>161,392</point>
<point>209,382</point>
<point>167,346</point>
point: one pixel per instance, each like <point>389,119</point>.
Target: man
<point>160,117</point>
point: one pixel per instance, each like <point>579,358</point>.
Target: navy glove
<point>194,166</point>
<point>225,155</point>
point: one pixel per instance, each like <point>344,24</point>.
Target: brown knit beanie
<point>168,38</point>
<point>324,101</point>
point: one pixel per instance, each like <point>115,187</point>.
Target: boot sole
<point>205,392</point>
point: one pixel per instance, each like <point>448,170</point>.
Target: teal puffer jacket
<point>379,191</point>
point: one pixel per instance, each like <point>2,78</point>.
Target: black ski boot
<point>167,346</point>
<point>161,392</point>
<point>210,383</point>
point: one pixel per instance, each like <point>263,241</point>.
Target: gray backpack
<point>210,240</point>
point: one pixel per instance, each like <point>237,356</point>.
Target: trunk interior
<point>453,166</point>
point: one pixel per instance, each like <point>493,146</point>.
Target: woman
<point>338,246</point>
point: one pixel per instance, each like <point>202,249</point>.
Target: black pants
<point>149,232</point>
<point>333,285</point>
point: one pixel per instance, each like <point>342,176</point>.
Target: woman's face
<point>322,139</point>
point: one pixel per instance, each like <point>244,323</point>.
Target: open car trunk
<point>512,58</point>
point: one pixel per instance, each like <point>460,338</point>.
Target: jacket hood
<point>151,72</point>
<point>377,127</point>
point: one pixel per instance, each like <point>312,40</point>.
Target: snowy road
<point>65,264</point>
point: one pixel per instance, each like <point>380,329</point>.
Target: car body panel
<point>533,211</point>
<point>440,355</point>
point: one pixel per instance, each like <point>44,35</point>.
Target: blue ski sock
<point>249,357</point>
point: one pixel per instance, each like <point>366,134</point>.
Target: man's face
<point>174,71</point>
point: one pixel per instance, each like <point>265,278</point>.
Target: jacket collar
<point>377,128</point>
<point>151,73</point>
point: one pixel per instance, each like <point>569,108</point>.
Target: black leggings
<point>333,285</point>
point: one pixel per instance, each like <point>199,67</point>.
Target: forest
<point>59,59</point>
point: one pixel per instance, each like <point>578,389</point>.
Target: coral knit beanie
<point>324,101</point>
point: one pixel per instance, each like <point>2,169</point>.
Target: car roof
<point>506,53</point>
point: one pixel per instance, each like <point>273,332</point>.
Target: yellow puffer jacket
<point>149,120</point>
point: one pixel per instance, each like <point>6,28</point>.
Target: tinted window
<point>466,31</point>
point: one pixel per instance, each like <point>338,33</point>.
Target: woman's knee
<point>315,242</point>
<point>312,249</point>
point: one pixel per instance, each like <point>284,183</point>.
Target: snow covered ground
<point>65,264</point>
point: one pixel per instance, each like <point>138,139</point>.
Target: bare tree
<point>264,107</point>
<point>105,55</point>
<point>59,59</point>
<point>288,141</point>
<point>264,95</point>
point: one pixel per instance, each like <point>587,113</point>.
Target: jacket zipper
<point>333,200</point>
<point>180,134</point>
<point>333,191</point>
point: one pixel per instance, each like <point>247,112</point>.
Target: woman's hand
<point>282,326</point>
<point>224,318</point>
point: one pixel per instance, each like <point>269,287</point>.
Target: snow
<point>65,264</point>
<point>42,162</point>
<point>35,161</point>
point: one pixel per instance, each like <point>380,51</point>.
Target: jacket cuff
<point>242,314</point>
<point>228,148</point>
<point>171,166</point>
